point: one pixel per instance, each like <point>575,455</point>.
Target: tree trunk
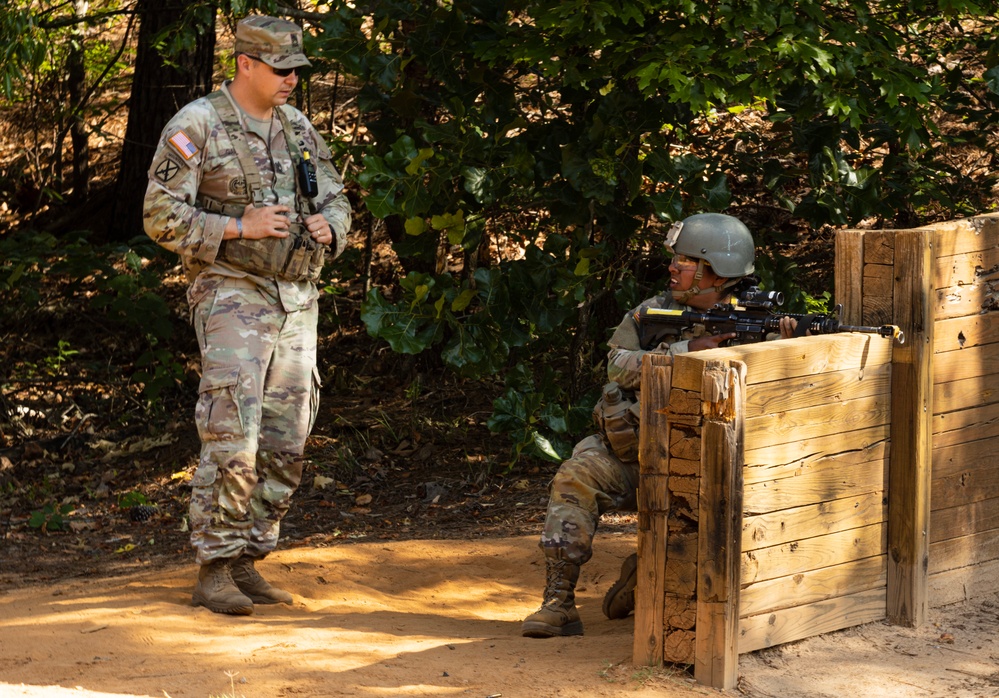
<point>79,133</point>
<point>159,90</point>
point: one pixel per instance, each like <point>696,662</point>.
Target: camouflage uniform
<point>257,332</point>
<point>595,479</point>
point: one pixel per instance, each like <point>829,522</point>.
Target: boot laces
<point>222,577</point>
<point>553,580</point>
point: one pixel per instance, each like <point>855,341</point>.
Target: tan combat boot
<point>558,615</point>
<point>217,591</point>
<point>253,585</point>
<point>620,598</point>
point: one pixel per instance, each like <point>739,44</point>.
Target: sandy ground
<point>434,618</point>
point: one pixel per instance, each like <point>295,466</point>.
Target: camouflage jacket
<point>624,360</point>
<point>195,159</point>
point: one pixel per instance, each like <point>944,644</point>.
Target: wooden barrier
<point>797,487</point>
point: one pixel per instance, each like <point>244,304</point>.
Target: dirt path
<point>432,618</point>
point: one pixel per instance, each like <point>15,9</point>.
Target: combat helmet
<point>722,241</point>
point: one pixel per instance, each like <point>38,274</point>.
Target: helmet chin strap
<point>696,290</point>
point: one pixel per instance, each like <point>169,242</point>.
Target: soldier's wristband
<point>239,228</point>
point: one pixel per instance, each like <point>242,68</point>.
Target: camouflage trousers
<point>592,481</point>
<point>258,399</point>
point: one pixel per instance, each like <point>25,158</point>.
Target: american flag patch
<point>183,145</point>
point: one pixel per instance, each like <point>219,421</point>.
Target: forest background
<point>513,166</point>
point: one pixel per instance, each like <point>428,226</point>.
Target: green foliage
<point>51,517</point>
<point>576,129</point>
<point>121,288</point>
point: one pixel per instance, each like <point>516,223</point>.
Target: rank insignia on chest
<point>237,186</point>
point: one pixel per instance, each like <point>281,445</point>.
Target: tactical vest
<point>295,258</point>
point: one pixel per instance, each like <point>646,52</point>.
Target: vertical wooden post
<point>911,430</point>
<point>653,507</point>
<point>848,288</point>
<point>719,536</point>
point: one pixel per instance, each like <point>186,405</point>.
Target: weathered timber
<point>847,282</point>
<point>965,458</point>
<point>680,613</point>
<point>653,456</point>
<point>769,629</point>
<point>803,356</point>
<point>966,394</point>
<point>964,552</point>
<point>965,519</point>
<point>965,236</point>
<point>811,422</point>
<point>965,269</point>
<point>961,301</point>
<point>974,362</point>
<point>679,647</point>
<point>964,583</point>
<point>911,434</point>
<point>836,456</point>
<point>816,519</point>
<point>812,553</point>
<point>973,484</point>
<point>878,282</point>
<point>816,485</point>
<point>815,585</point>
<point>954,334</point>
<point>817,389</point>
<point>719,535</point>
<point>808,450</point>
<point>966,425</point>
<point>879,248</point>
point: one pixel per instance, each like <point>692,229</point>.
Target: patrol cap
<point>277,42</point>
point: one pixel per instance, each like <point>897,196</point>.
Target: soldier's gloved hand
<point>265,222</point>
<point>319,229</point>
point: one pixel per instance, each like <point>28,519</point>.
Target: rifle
<point>753,317</point>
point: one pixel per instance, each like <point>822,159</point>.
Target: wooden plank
<point>814,585</point>
<point>879,248</point>
<point>813,553</point>
<point>818,389</point>
<point>973,484</point>
<point>769,629</point>
<point>911,434</point>
<point>953,334</point>
<point>847,455</point>
<point>878,286</point>
<point>960,301</point>
<point>961,459</point>
<point>797,453</point>
<point>974,362</point>
<point>812,422</point>
<point>965,269</point>
<point>817,485</point>
<point>964,583</point>
<point>716,656</point>
<point>977,392</point>
<point>966,551</point>
<point>653,458</point>
<point>810,520</point>
<point>965,425</point>
<point>789,358</point>
<point>964,520</point>
<point>964,236</point>
<point>848,288</point>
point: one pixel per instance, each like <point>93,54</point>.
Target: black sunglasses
<point>280,72</point>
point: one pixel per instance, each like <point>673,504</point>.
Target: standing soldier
<point>712,258</point>
<point>242,187</point>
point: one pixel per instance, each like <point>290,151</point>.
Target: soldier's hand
<point>265,222</point>
<point>787,327</point>
<point>319,229</point>
<point>710,341</point>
